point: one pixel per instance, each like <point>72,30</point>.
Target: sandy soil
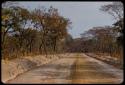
<point>12,68</point>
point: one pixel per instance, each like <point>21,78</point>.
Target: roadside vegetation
<point>44,31</point>
<point>24,32</point>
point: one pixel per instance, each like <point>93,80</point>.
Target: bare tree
<point>115,9</point>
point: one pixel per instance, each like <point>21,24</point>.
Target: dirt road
<point>72,68</point>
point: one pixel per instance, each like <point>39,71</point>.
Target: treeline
<point>102,41</point>
<point>106,39</point>
<point>40,31</point>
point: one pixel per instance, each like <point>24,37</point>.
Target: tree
<point>119,28</point>
<point>7,15</point>
<point>115,9</point>
<point>46,31</point>
<point>14,20</point>
<point>6,24</point>
<point>53,26</point>
<point>8,4</point>
<point>20,20</point>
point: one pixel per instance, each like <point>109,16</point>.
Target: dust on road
<point>72,68</point>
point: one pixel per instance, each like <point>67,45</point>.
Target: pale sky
<point>83,15</point>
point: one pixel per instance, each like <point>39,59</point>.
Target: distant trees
<point>25,31</point>
<point>98,40</point>
<point>102,41</point>
<point>101,38</point>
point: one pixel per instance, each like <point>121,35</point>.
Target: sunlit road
<point>72,68</point>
